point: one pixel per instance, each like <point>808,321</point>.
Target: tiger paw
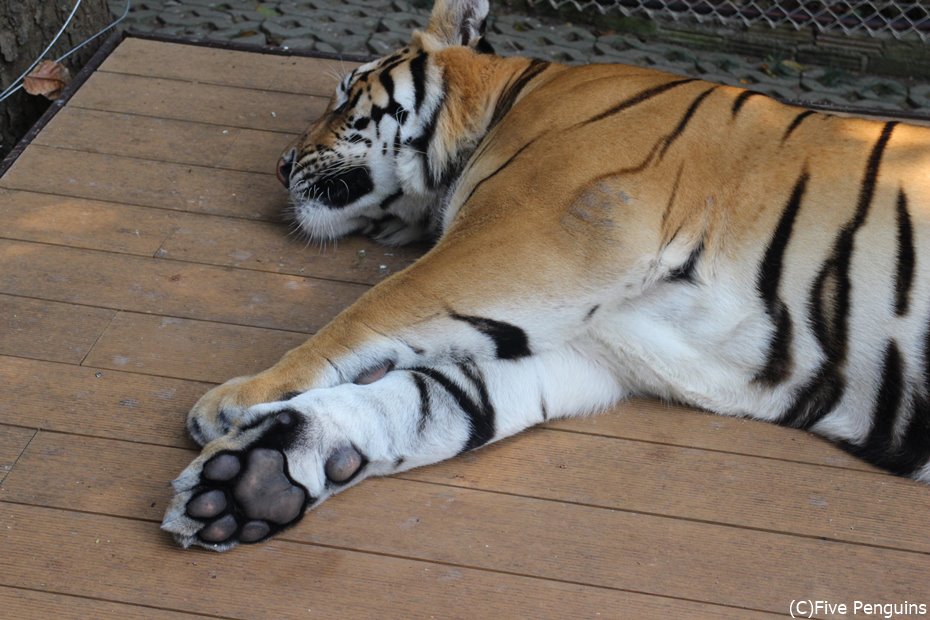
<point>225,407</point>
<point>256,482</point>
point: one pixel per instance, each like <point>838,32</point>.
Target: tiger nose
<point>285,166</point>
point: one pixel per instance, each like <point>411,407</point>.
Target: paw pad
<point>246,497</point>
<point>343,464</point>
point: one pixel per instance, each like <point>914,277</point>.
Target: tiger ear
<point>458,22</point>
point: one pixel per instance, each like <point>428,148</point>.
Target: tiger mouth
<point>342,189</point>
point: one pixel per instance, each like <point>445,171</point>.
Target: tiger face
<point>356,168</point>
<point>370,163</point>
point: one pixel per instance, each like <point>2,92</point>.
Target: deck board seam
<point>781,459</point>
<point>150,160</point>
<point>155,256</point>
<point>290,541</point>
<point>182,120</point>
<point>548,500</point>
<point>169,259</point>
<point>20,455</point>
<point>220,84</point>
<point>10,188</point>
<point>196,614</point>
<point>116,313</point>
<point>207,384</point>
<point>5,185</point>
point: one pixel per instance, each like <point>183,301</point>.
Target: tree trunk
<point>26,28</point>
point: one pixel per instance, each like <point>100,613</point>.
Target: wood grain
<point>311,76</point>
<point>488,531</point>
<point>13,441</point>
<point>189,101</point>
<point>187,349</point>
<point>68,552</point>
<point>29,604</point>
<point>149,184</point>
<point>695,484</point>
<point>49,330</point>
<point>181,290</point>
<point>182,142</point>
<point>192,237</point>
<point>81,223</point>
<point>90,401</point>
<point>658,422</point>
<point>270,247</point>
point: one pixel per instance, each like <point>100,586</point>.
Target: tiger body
<point>603,231</point>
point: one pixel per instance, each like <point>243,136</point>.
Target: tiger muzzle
<point>339,190</point>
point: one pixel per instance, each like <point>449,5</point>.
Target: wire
<point>108,27</point>
<point>18,82</point>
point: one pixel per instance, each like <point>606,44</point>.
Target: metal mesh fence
<point>910,20</point>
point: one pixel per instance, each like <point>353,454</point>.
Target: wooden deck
<point>142,260</point>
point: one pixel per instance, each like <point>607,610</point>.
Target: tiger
<point>599,232</point>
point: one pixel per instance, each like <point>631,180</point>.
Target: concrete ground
<point>373,27</point>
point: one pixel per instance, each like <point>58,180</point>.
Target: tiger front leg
<point>290,456</point>
<point>460,301</point>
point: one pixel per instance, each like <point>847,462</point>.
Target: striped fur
<point>602,231</point>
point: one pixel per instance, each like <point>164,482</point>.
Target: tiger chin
<point>601,231</point>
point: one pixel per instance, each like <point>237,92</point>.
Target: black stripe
<point>426,410</point>
<point>418,75</point>
<point>478,433</point>
<point>509,96</point>
<point>829,305</point>
<point>778,361</point>
<point>544,409</point>
<point>683,123</point>
<point>510,341</point>
<point>421,142</point>
<point>637,99</point>
<point>887,402</point>
<point>740,101</point>
<point>387,202</point>
<point>685,272</point>
<point>473,374</point>
<point>674,194</point>
<point>770,269</point>
<point>905,274</point>
<point>496,172</point>
<point>795,123</point>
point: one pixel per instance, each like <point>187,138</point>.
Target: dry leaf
<point>47,79</point>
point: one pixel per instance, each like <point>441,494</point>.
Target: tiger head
<point>380,158</point>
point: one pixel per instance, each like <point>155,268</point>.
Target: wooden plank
<point>658,422</point>
<point>90,401</point>
<point>48,330</point>
<point>13,440</point>
<point>147,183</point>
<point>27,604</point>
<point>188,349</point>
<point>76,222</point>
<point>682,483</point>
<point>313,76</point>
<point>269,247</point>
<point>189,101</point>
<point>260,246</point>
<point>740,490</point>
<point>498,532</point>
<point>99,556</point>
<point>182,290</point>
<point>184,142</point>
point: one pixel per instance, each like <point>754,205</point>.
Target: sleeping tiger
<point>602,231</point>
